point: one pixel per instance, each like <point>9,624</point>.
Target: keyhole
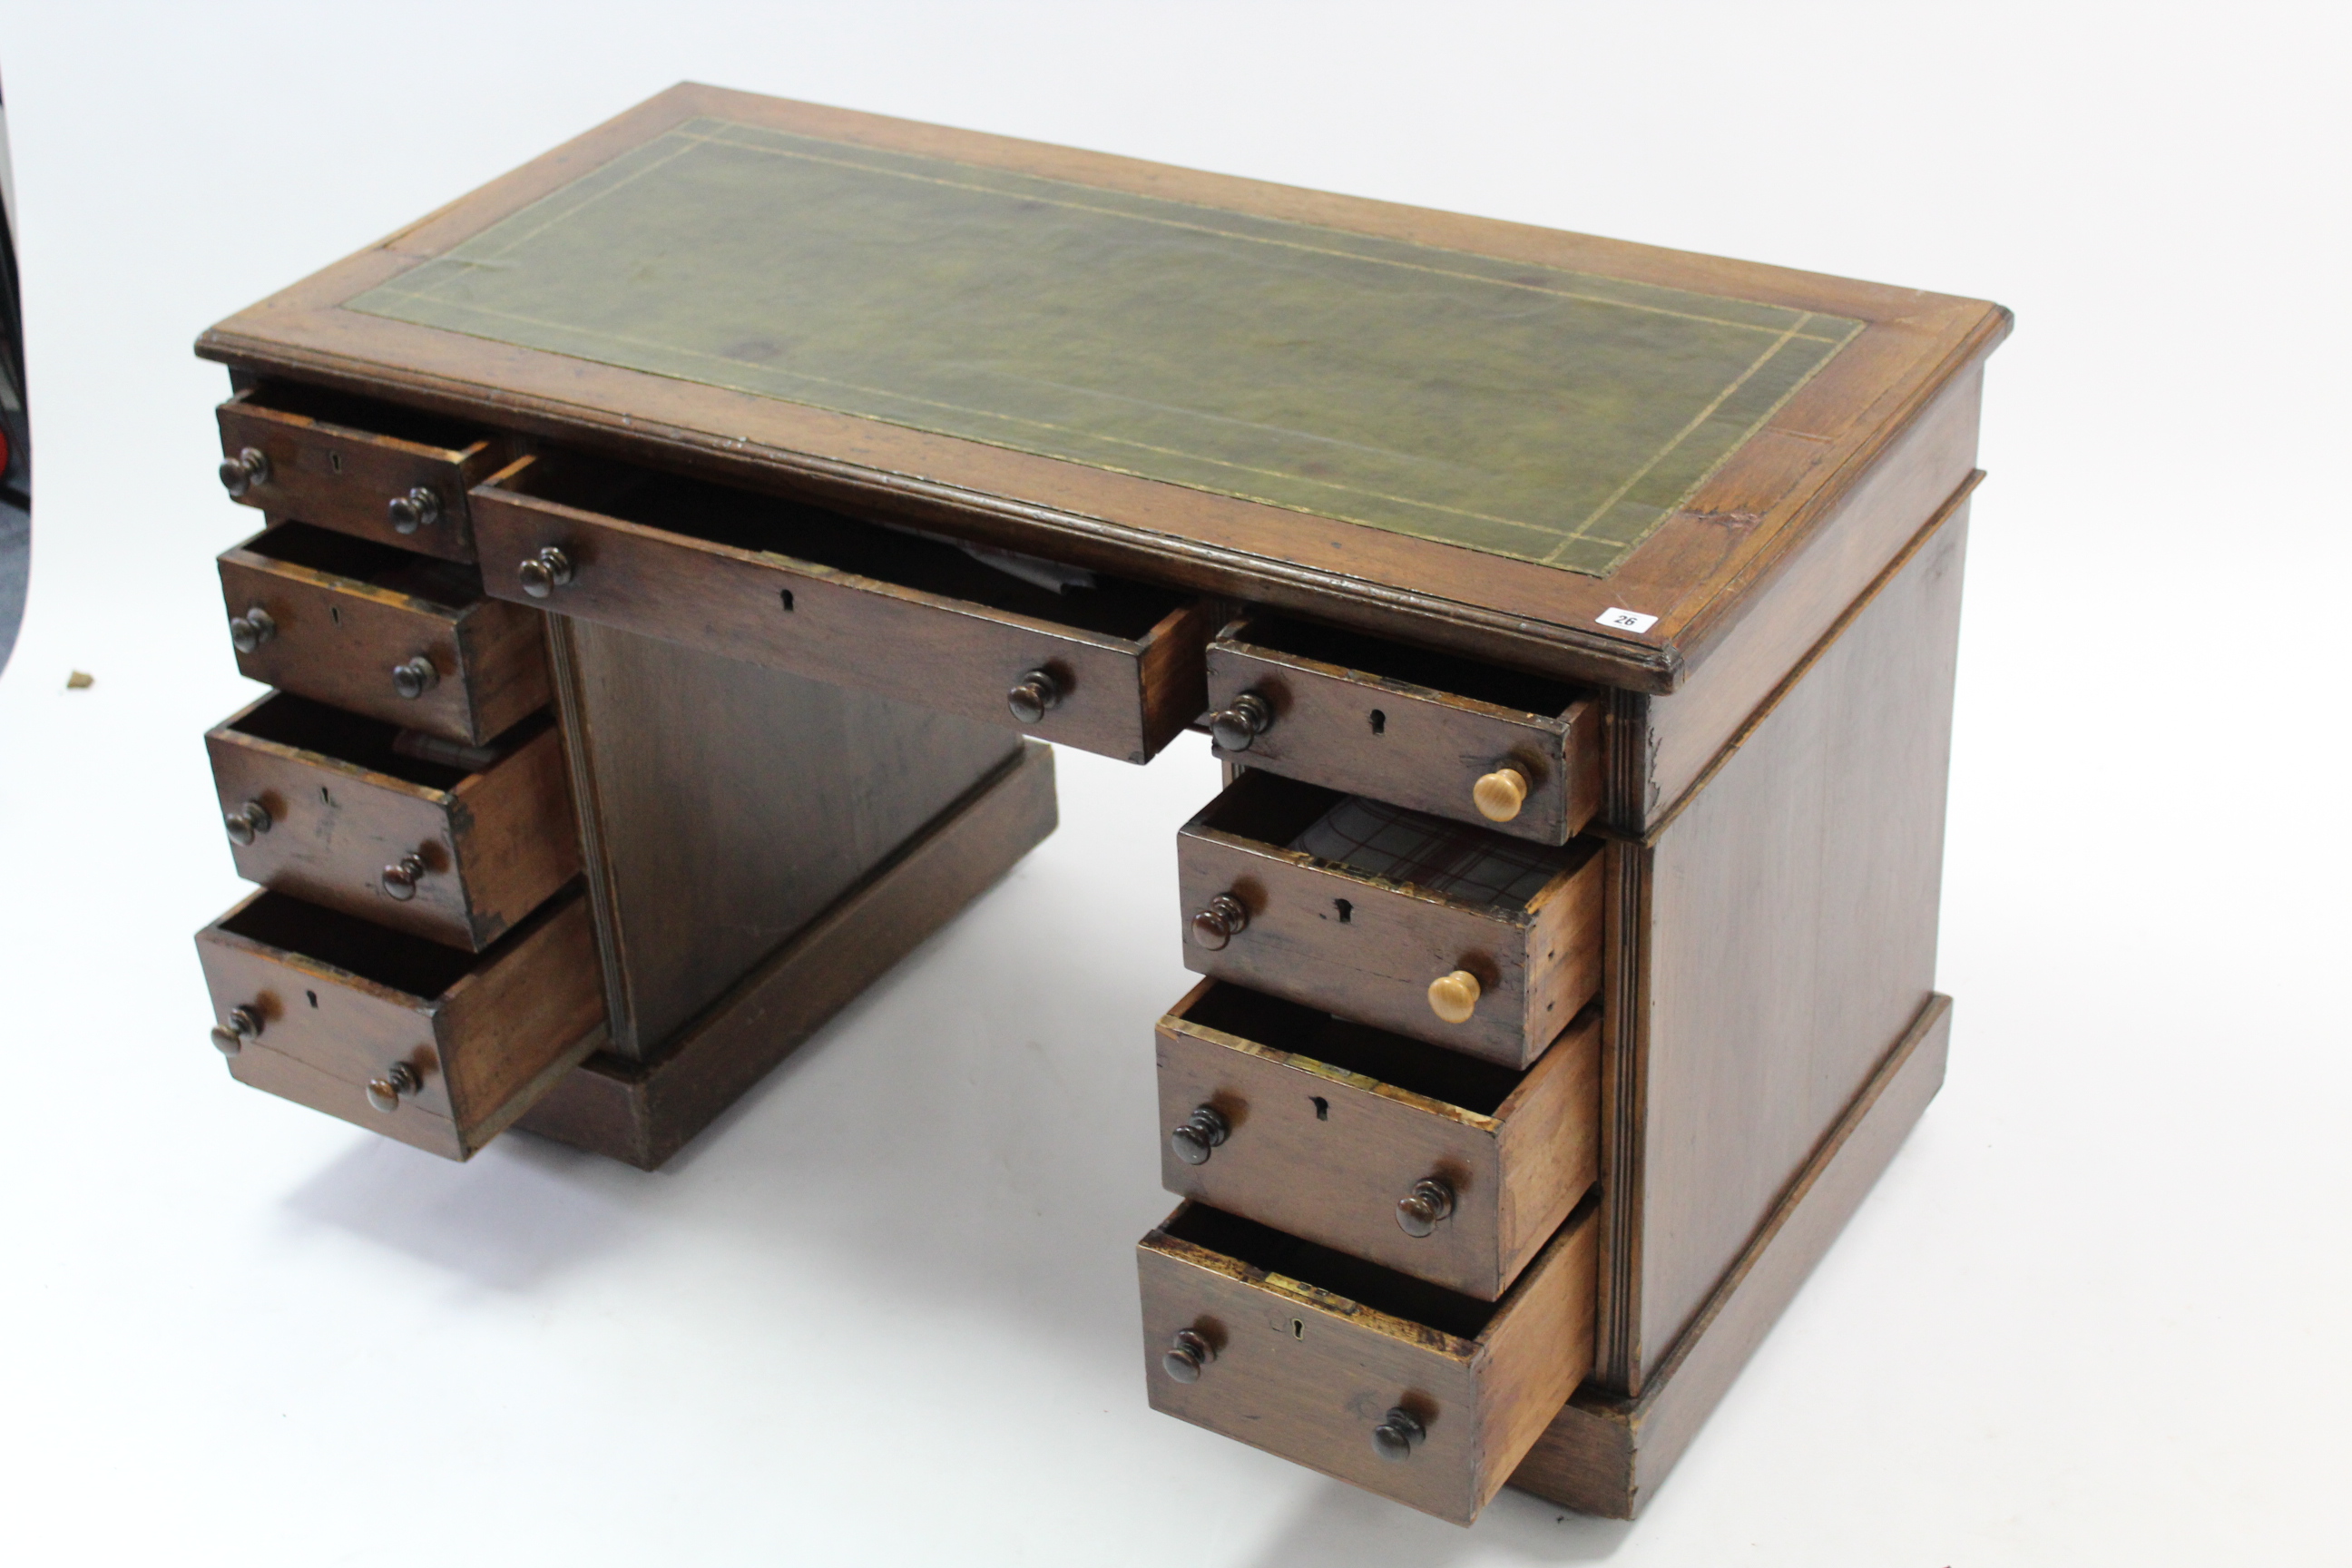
<point>313,995</point>
<point>335,461</point>
<point>1297,1327</point>
<point>335,614</point>
<point>324,798</point>
<point>1379,721</point>
<point>1347,911</point>
<point>786,596</point>
<point>1322,1107</point>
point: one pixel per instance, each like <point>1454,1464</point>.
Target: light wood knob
<point>1454,997</point>
<point>1500,794</point>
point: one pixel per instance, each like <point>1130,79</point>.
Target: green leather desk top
<point>1518,410</point>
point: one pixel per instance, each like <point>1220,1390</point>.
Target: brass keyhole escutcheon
<point>1454,997</point>
<point>1500,794</point>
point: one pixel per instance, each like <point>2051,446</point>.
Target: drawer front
<point>355,645</point>
<point>1334,1155</point>
<point>461,866</point>
<point>1314,1375</point>
<point>1411,745</point>
<point>483,1038</point>
<point>379,486</point>
<point>1371,950</point>
<point>1116,696</point>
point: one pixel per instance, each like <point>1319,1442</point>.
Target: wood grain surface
<point>1367,948</point>
<point>939,629</point>
<point>1314,1348</point>
<point>338,461</point>
<point>1332,1126</point>
<point>1609,1454</point>
<point>347,610</point>
<point>1362,716</point>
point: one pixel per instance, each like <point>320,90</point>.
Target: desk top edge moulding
<point>681,559</point>
<point>1448,454</point>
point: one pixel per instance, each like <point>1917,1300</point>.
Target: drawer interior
<point>1432,1072</point>
<point>411,964</point>
<point>363,415</point>
<point>1375,839</point>
<point>743,519</point>
<point>1480,682</point>
<point>1366,1284</point>
<point>450,584</point>
<point>374,745</point>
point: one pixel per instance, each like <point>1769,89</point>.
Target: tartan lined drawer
<point>1447,933</point>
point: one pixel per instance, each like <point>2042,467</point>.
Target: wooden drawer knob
<point>244,1023</point>
<point>1195,1137</point>
<point>251,629</point>
<point>1430,1200</point>
<point>399,1079</point>
<point>248,822</point>
<point>1188,1353</point>
<point>1034,696</point>
<point>241,473</point>
<point>1500,794</point>
<point>1235,728</point>
<point>420,508</point>
<point>546,572</point>
<point>413,678</point>
<point>1222,920</point>
<point>1399,1433</point>
<point>400,877</point>
<point>1454,997</point>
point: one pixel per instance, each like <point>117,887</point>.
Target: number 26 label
<point>1627,620</point>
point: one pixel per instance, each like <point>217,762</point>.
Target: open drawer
<point>401,637</point>
<point>357,466</point>
<point>454,842</point>
<point>1449,934</point>
<point>1450,1170</point>
<point>1113,667</point>
<point>420,1042</point>
<point>1403,1389</point>
<point>1427,730</point>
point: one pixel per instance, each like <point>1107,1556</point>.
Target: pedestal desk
<point>674,553</point>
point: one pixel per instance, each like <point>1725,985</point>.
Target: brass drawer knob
<point>1188,1353</point>
<point>248,822</point>
<point>241,473</point>
<point>546,572</point>
<point>1500,794</point>
<point>1430,1200</point>
<point>244,1023</point>
<point>1399,1433</point>
<point>1222,920</point>
<point>1235,728</point>
<point>251,629</point>
<point>399,1079</point>
<point>400,877</point>
<point>420,508</point>
<point>415,677</point>
<point>1034,696</point>
<point>1454,997</point>
<point>1195,1137</point>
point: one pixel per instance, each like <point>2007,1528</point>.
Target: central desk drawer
<point>401,637</point>
<point>452,843</point>
<point>1426,730</point>
<point>374,470</point>
<point>1450,1170</point>
<point>1103,665</point>
<point>403,1037</point>
<point>1452,934</point>
<point>1399,1387</point>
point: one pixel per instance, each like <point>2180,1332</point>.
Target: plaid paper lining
<point>1463,863</point>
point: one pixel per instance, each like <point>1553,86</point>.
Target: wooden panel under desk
<point>731,804</point>
<point>1792,911</point>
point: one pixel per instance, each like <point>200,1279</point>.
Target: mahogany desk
<point>671,545</point>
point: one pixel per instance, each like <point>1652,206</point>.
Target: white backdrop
<point>884,1311</point>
